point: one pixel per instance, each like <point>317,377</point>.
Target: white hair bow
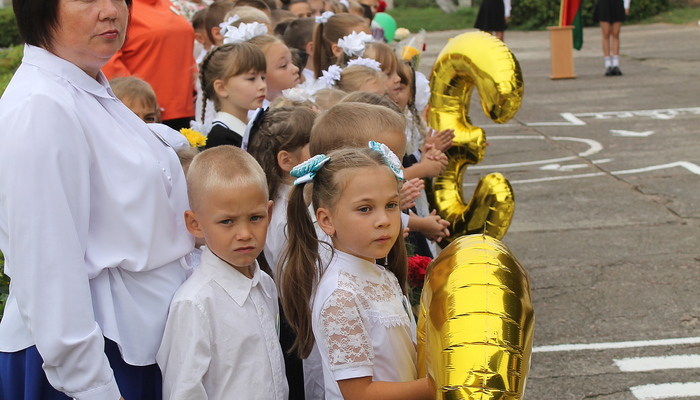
<point>345,3</point>
<point>244,32</point>
<point>226,25</point>
<point>366,62</point>
<point>330,77</point>
<point>323,18</point>
<point>354,43</point>
<point>299,94</point>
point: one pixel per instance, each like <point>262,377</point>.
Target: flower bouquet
<point>417,266</point>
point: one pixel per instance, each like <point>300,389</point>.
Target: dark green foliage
<point>9,34</point>
<point>539,14</point>
<point>9,62</point>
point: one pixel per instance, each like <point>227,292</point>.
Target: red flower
<point>417,266</point>
<point>382,6</point>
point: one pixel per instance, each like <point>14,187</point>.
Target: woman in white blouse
<point>91,216</point>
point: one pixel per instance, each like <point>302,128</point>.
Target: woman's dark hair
<point>37,20</point>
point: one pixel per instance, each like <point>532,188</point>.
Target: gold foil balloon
<point>476,322</point>
<point>473,60</point>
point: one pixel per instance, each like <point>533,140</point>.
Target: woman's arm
<point>45,198</point>
<point>365,389</point>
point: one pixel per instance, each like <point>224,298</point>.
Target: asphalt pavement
<point>606,175</point>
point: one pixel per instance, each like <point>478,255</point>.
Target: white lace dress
<point>362,324</point>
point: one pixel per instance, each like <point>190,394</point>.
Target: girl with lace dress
<point>337,298</point>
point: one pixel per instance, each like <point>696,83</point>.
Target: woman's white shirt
<point>362,324</point>
<point>91,225</point>
<point>276,239</point>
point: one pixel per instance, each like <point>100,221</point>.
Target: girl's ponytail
<point>203,80</point>
<point>302,271</point>
<point>319,53</point>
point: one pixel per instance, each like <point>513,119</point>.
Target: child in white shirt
<point>221,339</point>
<point>355,310</point>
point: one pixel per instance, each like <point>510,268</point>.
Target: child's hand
<point>405,232</point>
<point>410,190</point>
<point>441,140</point>
<point>435,228</point>
<point>433,164</point>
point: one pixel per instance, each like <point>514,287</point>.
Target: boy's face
<point>144,110</point>
<point>233,223</point>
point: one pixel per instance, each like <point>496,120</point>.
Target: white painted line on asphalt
<point>602,161</point>
<point>574,119</point>
<point>623,133</point>
<point>637,364</point>
<point>522,164</point>
<point>616,345</point>
<point>695,169</point>
<point>563,168</point>
<point>666,391</point>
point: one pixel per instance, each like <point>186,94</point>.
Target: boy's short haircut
<point>248,15</point>
<point>198,19</point>
<point>299,33</point>
<point>372,98</point>
<point>131,88</point>
<point>222,167</point>
<point>215,15</point>
<point>258,4</point>
<point>352,125</point>
<point>271,3</point>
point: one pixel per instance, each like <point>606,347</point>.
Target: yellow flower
<point>195,138</point>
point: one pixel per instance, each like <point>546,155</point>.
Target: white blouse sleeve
<point>45,199</point>
<point>506,4</point>
<point>185,352</point>
<point>349,346</point>
<point>627,4</point>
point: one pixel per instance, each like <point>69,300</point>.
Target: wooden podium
<point>561,42</point>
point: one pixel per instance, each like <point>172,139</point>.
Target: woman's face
<point>89,32</point>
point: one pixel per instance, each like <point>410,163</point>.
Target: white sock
<point>607,62</point>
<point>615,61</point>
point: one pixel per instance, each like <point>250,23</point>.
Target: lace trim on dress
<point>345,331</point>
<point>382,300</point>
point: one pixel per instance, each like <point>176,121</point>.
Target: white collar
<point>358,266</point>
<point>50,62</point>
<point>230,279</point>
<point>231,122</point>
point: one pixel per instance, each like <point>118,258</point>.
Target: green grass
<point>676,16</point>
<point>433,19</point>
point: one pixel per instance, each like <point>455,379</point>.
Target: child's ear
<point>270,204</point>
<point>216,34</point>
<point>192,224</point>
<point>337,51</point>
<point>220,88</point>
<point>285,162</point>
<point>325,221</point>
<point>310,48</point>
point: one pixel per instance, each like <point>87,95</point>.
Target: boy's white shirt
<point>221,340</point>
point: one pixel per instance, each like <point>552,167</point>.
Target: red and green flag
<point>571,15</point>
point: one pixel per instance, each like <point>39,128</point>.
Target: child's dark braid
<point>203,81</point>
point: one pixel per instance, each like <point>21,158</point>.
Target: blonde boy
<point>222,335</point>
<point>138,96</point>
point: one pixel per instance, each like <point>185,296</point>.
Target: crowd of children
<point>305,200</point>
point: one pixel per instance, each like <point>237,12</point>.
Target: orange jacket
<point>159,49</point>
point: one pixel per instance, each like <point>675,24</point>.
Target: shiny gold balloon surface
<point>476,322</point>
<point>472,60</point>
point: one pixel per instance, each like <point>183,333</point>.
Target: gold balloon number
<point>481,61</point>
<point>476,322</point>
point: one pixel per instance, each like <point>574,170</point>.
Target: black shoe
<point>616,71</point>
<point>609,71</point>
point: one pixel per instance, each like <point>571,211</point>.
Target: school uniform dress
<point>362,324</point>
<point>225,129</point>
<point>491,17</point>
<point>92,231</point>
<point>610,10</point>
<point>221,338</point>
